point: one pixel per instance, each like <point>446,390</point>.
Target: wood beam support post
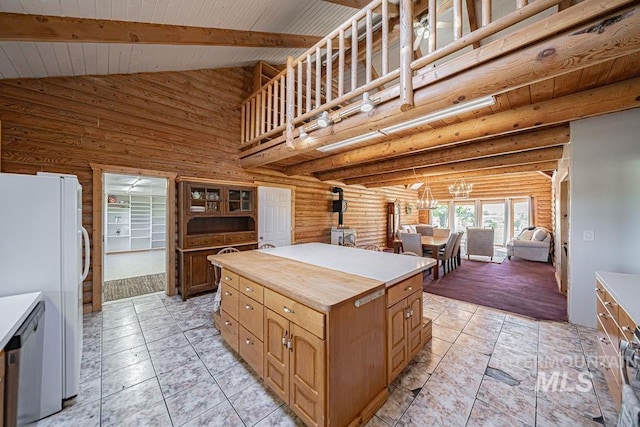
<point>406,55</point>
<point>291,102</point>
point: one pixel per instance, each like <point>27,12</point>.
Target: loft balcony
<point>379,86</point>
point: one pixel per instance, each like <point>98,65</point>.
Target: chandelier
<point>460,189</point>
<point>426,200</point>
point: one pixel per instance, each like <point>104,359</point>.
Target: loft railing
<point>355,59</point>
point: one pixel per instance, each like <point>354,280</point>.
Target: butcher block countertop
<point>316,287</point>
<point>13,312</point>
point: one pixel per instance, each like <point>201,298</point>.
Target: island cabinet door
<point>276,354</point>
<point>397,356</point>
<point>414,324</point>
<point>307,389</point>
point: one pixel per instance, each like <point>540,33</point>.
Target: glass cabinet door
<point>213,196</point>
<point>233,201</point>
<point>239,200</point>
<point>246,204</point>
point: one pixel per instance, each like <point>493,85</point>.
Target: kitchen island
<point>326,327</point>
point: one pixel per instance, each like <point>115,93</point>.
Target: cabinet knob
<point>603,340</point>
<point>288,310</point>
<point>626,329</point>
<point>227,293</point>
<point>226,322</point>
<point>602,314</point>
<point>604,365</point>
<point>248,341</point>
<point>598,289</point>
<point>408,288</point>
<point>248,307</point>
<point>607,303</point>
<point>248,289</point>
<point>227,278</point>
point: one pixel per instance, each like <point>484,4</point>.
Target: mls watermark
<point>560,381</point>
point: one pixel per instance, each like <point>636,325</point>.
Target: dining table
<point>434,244</point>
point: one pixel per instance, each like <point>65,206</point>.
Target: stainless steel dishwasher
<point>24,370</point>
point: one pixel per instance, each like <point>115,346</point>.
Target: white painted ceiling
<point>134,185</point>
<point>29,59</point>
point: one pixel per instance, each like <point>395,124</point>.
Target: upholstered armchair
<point>533,244</point>
<point>480,242</point>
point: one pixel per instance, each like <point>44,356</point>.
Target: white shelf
<point>138,218</point>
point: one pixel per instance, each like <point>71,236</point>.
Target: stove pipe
<point>337,204</point>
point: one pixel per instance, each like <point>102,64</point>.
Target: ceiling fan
<point>421,29</point>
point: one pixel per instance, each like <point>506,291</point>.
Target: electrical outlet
<point>588,236</point>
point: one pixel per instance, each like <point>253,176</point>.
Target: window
<point>465,216</point>
<point>520,215</point>
<point>493,216</point>
<point>440,216</point>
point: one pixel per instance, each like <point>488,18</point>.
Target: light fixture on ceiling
<point>460,189</point>
<point>350,141</point>
<point>367,104</point>
<point>442,114</point>
<point>303,135</point>
<point>324,120</point>
<point>426,200</point>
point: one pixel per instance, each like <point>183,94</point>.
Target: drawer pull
<point>248,307</point>
<point>248,289</point>
<point>284,339</point>
<point>626,329</point>
<point>603,340</point>
<point>604,365</point>
<point>288,310</point>
<point>249,342</point>
<point>290,345</point>
<point>608,303</point>
<point>226,322</point>
<point>408,288</point>
<point>598,289</point>
<point>227,293</point>
<point>602,314</point>
<point>227,278</point>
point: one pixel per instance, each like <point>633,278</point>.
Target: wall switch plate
<point>588,236</point>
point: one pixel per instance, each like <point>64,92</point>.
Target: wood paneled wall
<point>181,122</point>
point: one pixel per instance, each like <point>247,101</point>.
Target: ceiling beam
<point>503,145</point>
<point>615,97</point>
<point>524,157</point>
<point>43,28</point>
<point>563,53</point>
<point>504,170</point>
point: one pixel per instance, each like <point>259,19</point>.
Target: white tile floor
<point>132,264</point>
<point>155,360</point>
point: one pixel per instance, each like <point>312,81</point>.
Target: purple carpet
<point>519,286</point>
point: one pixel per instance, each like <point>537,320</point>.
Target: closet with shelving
<point>135,222</point>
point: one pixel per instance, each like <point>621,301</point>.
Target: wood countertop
<point>318,287</point>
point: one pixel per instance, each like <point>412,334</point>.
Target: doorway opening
<point>134,235</point>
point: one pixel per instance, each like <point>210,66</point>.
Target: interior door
<point>274,219</point>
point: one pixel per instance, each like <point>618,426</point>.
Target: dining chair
<point>217,277</point>
<point>441,232</point>
<point>374,248</point>
<point>266,246</point>
<point>412,242</point>
<point>456,250</point>
<point>349,245</point>
<point>409,253</point>
<point>425,230</point>
<point>447,254</point>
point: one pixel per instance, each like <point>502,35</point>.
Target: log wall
<point>179,122</point>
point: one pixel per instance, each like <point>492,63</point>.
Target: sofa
<point>533,244</point>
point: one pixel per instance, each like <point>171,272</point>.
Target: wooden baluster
<point>283,100</point>
<point>329,67</point>
<point>369,54</point>
<point>385,37</point>
<point>341,63</point>
<point>291,82</point>
<point>486,12</point>
<point>253,118</point>
<point>318,77</point>
<point>269,106</point>
<point>263,111</point>
<point>432,25</point>
<point>406,54</point>
<point>299,88</point>
<point>309,108</point>
<point>457,19</point>
<point>276,102</point>
<point>354,55</point>
<point>243,122</point>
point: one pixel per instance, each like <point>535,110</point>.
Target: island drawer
<point>251,315</point>
<point>251,350</point>
<point>627,325</point>
<point>230,278</point>
<point>252,289</point>
<point>229,329</point>
<point>229,297</point>
<point>403,289</point>
<point>300,314</point>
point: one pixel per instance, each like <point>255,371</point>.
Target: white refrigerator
<point>41,249</point>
